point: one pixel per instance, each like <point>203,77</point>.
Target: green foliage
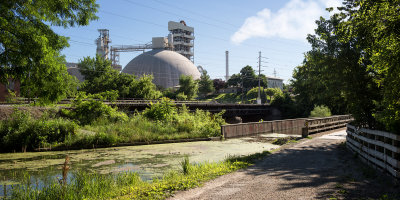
<point>247,79</point>
<point>320,111</point>
<point>163,110</point>
<point>130,186</point>
<point>30,50</point>
<point>90,110</point>
<point>376,25</point>
<point>110,95</point>
<point>188,86</point>
<point>286,105</point>
<point>335,73</point>
<point>185,164</point>
<point>206,85</point>
<point>181,97</point>
<point>22,132</point>
<point>101,77</point>
<point>353,66</point>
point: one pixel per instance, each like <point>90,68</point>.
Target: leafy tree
<point>188,86</point>
<point>30,50</point>
<point>205,84</point>
<point>92,68</point>
<point>101,77</point>
<point>286,105</point>
<point>334,74</point>
<point>375,24</point>
<point>219,84</point>
<point>270,92</point>
<point>247,79</point>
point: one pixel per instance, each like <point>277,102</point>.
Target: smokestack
<point>227,65</point>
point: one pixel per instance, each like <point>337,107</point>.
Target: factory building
<point>169,58</point>
<point>182,38</point>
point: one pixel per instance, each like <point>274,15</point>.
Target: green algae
<point>148,160</point>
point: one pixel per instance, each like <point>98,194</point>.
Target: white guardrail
<point>378,148</point>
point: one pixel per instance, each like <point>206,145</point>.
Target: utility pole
<point>259,73</point>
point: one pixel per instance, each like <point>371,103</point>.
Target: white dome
<point>166,67</point>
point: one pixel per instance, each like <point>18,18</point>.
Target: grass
<point>130,186</point>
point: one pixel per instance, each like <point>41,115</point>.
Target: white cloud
<point>294,21</point>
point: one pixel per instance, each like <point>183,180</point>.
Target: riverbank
<point>148,161</point>
<point>92,124</point>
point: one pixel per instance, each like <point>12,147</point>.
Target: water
<point>148,161</point>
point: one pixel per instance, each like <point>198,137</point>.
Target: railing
<point>377,148</point>
<point>322,124</point>
<point>297,126</point>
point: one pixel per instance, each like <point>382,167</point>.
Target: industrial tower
<point>182,38</point>
<point>102,43</point>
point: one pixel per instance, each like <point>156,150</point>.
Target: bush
<point>23,132</point>
<point>163,110</point>
<point>89,111</point>
<point>320,111</point>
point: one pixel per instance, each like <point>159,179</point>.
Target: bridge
<point>248,112</point>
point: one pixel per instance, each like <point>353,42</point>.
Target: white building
<point>274,82</point>
<point>182,38</point>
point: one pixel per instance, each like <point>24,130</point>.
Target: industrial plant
<point>167,59</point>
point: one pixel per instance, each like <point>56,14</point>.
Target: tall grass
<point>22,132</point>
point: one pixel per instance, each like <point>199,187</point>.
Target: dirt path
<point>320,168</point>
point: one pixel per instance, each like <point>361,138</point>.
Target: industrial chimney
<point>227,65</point>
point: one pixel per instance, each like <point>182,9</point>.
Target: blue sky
<point>276,28</point>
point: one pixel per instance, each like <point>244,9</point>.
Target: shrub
<point>181,97</point>
<point>89,111</point>
<point>21,131</point>
<point>320,111</point>
<point>163,110</point>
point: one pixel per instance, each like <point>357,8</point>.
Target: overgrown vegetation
<point>130,186</point>
<point>21,132</point>
<point>92,123</point>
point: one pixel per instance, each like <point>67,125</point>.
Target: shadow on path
<point>330,167</point>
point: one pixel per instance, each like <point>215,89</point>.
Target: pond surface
<point>148,161</point>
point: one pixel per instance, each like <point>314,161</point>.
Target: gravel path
<point>320,168</point>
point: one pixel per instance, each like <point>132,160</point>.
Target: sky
<point>277,29</point>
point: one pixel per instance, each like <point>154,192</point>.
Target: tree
<point>92,68</point>
<point>205,84</point>
<point>188,86</point>
<point>219,84</point>
<point>30,50</point>
<point>376,25</point>
<point>335,73</point>
<point>101,77</point>
<point>247,79</point>
<point>270,92</point>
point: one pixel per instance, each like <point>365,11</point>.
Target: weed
<point>185,165</point>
